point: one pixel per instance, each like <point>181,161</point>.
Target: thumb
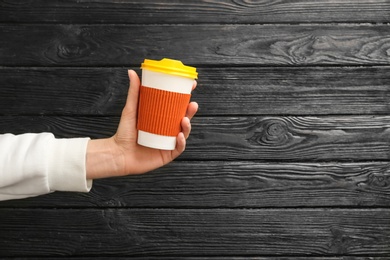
<point>128,122</point>
<point>132,96</point>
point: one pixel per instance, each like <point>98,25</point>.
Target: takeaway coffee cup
<point>164,96</point>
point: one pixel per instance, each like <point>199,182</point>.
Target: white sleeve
<point>36,164</point>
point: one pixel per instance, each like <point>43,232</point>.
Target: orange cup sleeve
<point>160,112</point>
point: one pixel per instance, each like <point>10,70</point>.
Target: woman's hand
<point>121,155</point>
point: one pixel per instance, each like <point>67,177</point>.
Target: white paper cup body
<point>167,82</point>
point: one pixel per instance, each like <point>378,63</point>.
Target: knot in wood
<point>276,129</point>
<point>322,43</point>
<point>379,180</point>
<point>272,132</point>
<point>73,50</point>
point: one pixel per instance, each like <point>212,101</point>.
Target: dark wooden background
<point>289,154</point>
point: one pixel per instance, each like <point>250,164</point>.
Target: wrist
<point>102,159</point>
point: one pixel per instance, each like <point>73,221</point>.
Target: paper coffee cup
<point>164,96</point>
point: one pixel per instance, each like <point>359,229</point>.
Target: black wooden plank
<point>246,138</point>
<point>194,232</point>
<point>194,11</point>
<point>213,258</point>
<point>221,91</point>
<point>121,45</point>
<point>63,91</point>
<point>290,138</point>
<point>234,185</point>
<point>62,127</point>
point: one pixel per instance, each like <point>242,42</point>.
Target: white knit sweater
<point>36,164</point>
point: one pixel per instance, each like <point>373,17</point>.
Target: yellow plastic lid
<point>168,66</point>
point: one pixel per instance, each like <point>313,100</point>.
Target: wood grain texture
<point>121,45</point>
<point>194,11</point>
<point>238,184</point>
<point>63,91</point>
<point>221,91</point>
<point>342,138</point>
<point>289,153</point>
<point>194,232</point>
<point>62,127</point>
<point>291,138</point>
<point>214,258</point>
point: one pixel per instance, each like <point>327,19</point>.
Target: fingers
<point>181,143</point>
<point>181,138</point>
<point>185,123</point>
<point>180,146</point>
<point>192,109</point>
<point>194,85</point>
<point>186,127</point>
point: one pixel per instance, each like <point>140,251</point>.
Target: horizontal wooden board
<point>245,138</point>
<point>194,232</point>
<point>62,127</point>
<point>215,11</point>
<point>124,45</point>
<point>221,91</point>
<point>284,257</point>
<point>239,184</point>
<point>291,138</point>
<point>66,91</point>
